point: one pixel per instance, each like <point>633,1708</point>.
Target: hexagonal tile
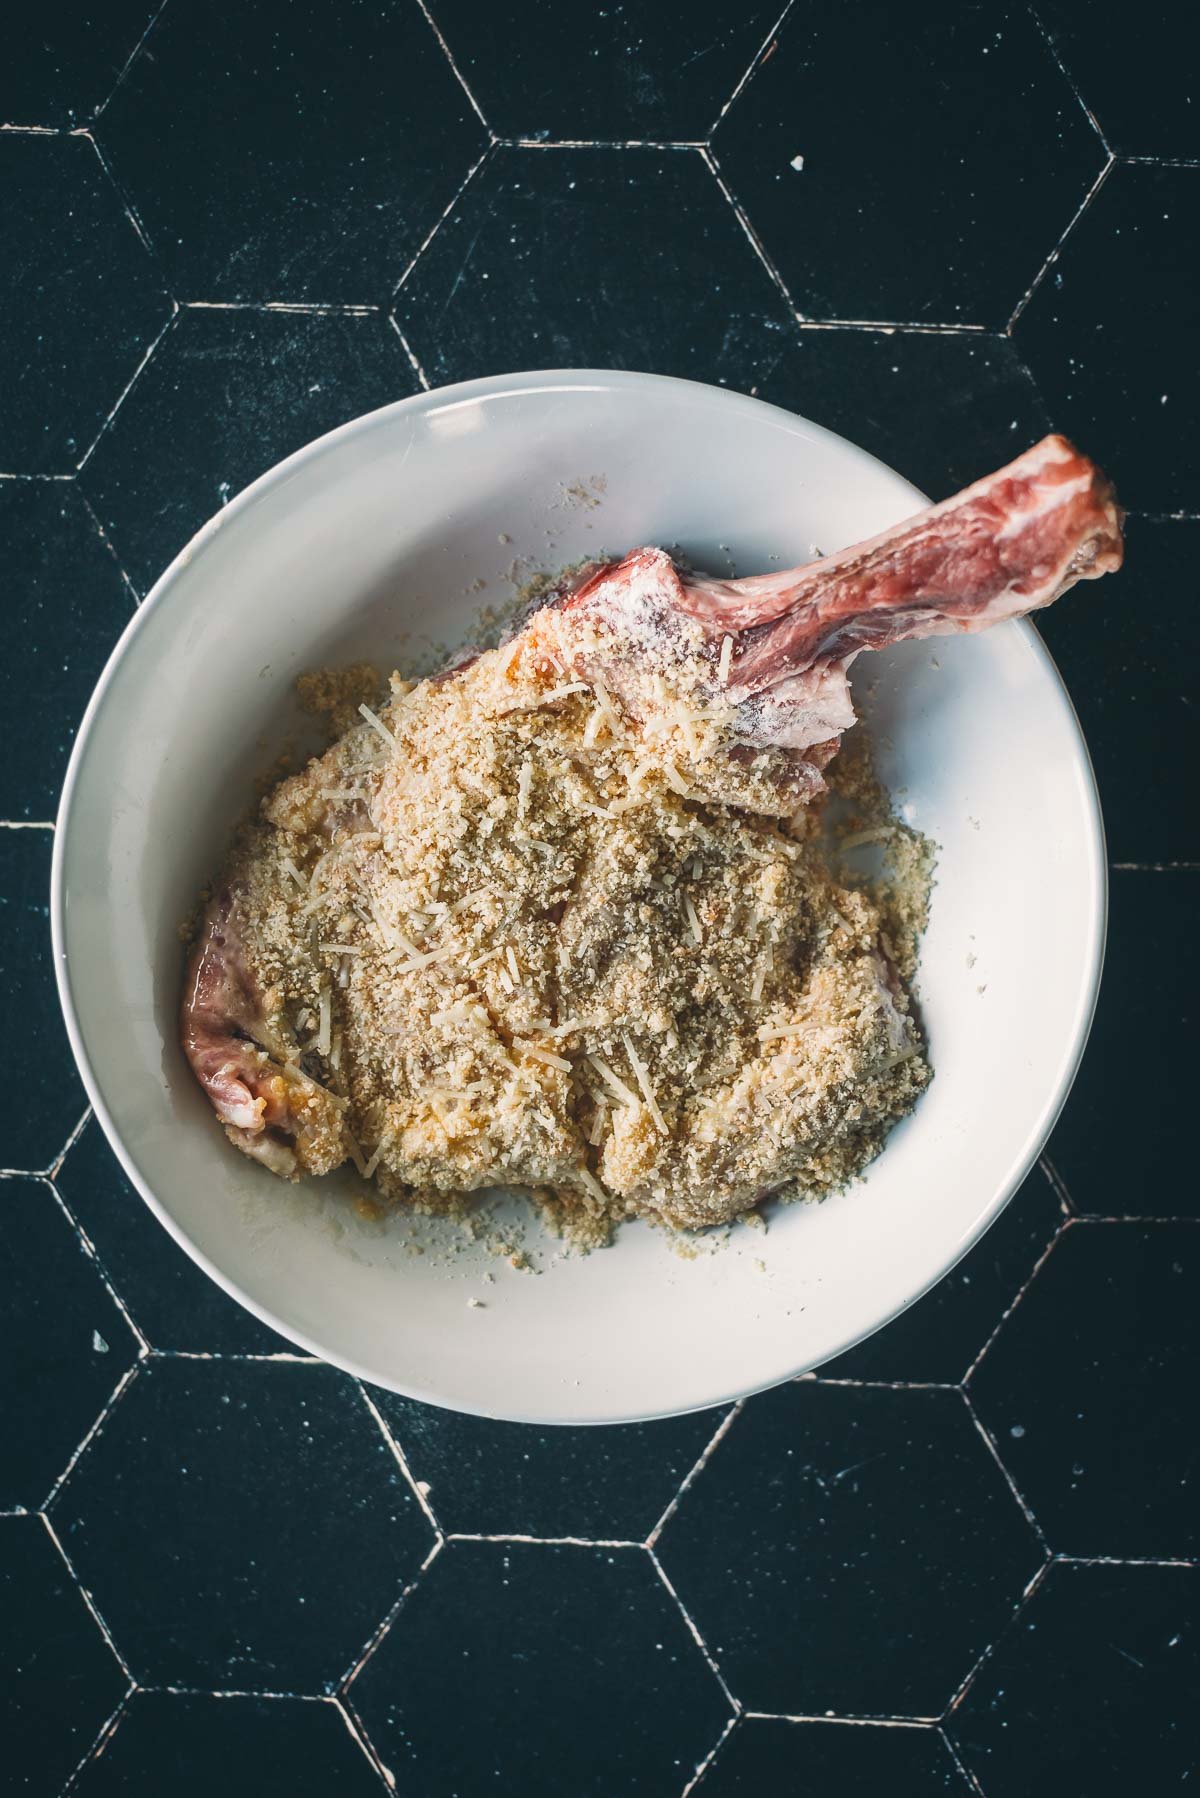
<point>942,407</point>
<point>924,182</point>
<point>263,383</point>
<point>39,1109</point>
<point>59,1681</point>
<point>293,154</point>
<point>175,1305</point>
<point>645,68</point>
<point>849,1550</point>
<point>241,1524</point>
<point>1092,1690</point>
<point>853,1760</point>
<point>1089,1391</point>
<point>937,1338</point>
<point>614,258</point>
<point>1144,98</point>
<point>63,1342</point>
<point>67,605</point>
<point>1124,653</point>
<point>62,61</point>
<point>508,1479</point>
<point>582,1677</point>
<point>191,1745</point>
<point>1122,1144</point>
<point>81,301</point>
<point>1110,335</point>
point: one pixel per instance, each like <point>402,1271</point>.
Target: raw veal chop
<point>558,918</point>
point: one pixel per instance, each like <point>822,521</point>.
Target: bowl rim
<point>438,399</point>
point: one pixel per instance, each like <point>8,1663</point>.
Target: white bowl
<point>356,547</point>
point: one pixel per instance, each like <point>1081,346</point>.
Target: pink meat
<point>220,1014</point>
<point>1007,545</point>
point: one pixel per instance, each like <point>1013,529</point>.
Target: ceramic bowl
<point>383,539</point>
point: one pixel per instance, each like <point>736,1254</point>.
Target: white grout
<point>764,52</point>
<point>701,1644</point>
<point>89,1249</point>
<point>1052,258</point>
<point>697,1467</point>
<point>458,74</point>
<point>128,387</point>
<point>342,1686</point>
<point>399,1457</point>
<point>868,1721</point>
<point>752,237</point>
<point>703,1766</point>
<point>130,60</point>
<point>110,1404</point>
<point>73,1138</point>
<point>986,1653</point>
<point>1026,1510</point>
<point>359,1737</point>
<point>422,377</point>
<point>306,308</point>
<point>27,824</point>
<point>1067,76</point>
<point>1057,1186</point>
<point>1067,1224</point>
<point>88,1601</point>
<point>438,223</point>
<point>102,1737</point>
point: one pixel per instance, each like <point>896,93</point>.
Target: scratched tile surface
<point>960,1558</point>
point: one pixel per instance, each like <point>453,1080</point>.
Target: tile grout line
<point>1155,867</point>
<point>130,60</point>
<point>1052,258</point>
<point>694,1472</point>
<point>99,1741</point>
<point>458,74</point>
<point>307,308</point>
<point>1068,1560</point>
<point>761,55</point>
<point>401,1460</point>
<point>342,1686</point>
<point>128,387</point>
<point>547,1541</point>
<point>815,1379</point>
<point>751,235</point>
<point>365,1747</point>
<point>36,477</point>
<point>1026,1508</point>
<point>985,1654</point>
<point>1067,76</point>
<point>969,1778</point>
<point>406,346</point>
<point>1058,1187</point>
<point>125,200</point>
<point>110,1404</point>
<point>1066,1224</point>
<point>110,546</point>
<point>483,157</point>
<point>894,327</point>
<point>1159,162</point>
<point>868,1720</point>
<point>90,1250</point>
<point>599,143</point>
<point>89,1601</point>
<point>701,1644</point>
<point>702,1767</point>
<point>26,824</point>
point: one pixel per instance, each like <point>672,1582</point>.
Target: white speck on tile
<point>98,1343</point>
<point>797,163</point>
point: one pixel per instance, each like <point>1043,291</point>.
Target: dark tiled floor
<point>82,301</point>
<point>59,1681</point>
<point>908,166</point>
<point>276,1529</point>
<point>190,1745</point>
<point>892,1501</point>
<point>1110,334</point>
<point>63,1343</point>
<point>864,1760</point>
<point>642,69</point>
<point>1087,1390</point>
<point>505,1479</point>
<point>173,1304</point>
<point>582,1677</point>
<point>293,154</point>
<point>263,383</point>
<point>1092,1688</point>
<point>194,284</point>
<point>1121,1144</point>
<point>628,258</point>
<point>38,1111</point>
<point>67,603</point>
